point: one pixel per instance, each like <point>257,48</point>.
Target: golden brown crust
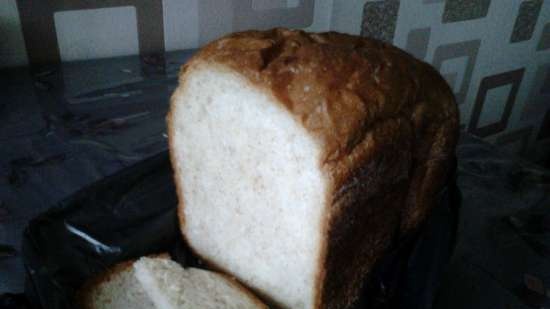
<point>84,295</point>
<point>388,125</point>
<point>173,161</point>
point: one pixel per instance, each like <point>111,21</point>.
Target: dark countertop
<point>64,127</point>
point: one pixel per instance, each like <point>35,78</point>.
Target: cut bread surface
<point>171,287</point>
<point>252,188</point>
<point>118,288</point>
<point>163,284</point>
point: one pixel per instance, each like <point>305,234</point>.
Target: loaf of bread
<point>159,283</point>
<point>301,158</point>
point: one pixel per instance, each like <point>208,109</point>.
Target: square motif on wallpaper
<point>484,100</point>
<point>260,14</point>
<point>217,18</point>
<point>379,19</point>
<point>454,71</point>
<point>113,33</point>
<point>464,55</point>
<point>40,33</point>
<point>418,41</point>
<point>526,20</point>
<point>259,5</point>
<point>493,110</point>
<point>460,10</point>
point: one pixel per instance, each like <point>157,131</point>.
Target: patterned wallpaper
<point>495,54</point>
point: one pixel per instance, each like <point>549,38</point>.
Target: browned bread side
<point>388,124</point>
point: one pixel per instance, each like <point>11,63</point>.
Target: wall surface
<point>495,54</point>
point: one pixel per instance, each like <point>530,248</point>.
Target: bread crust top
<point>337,85</point>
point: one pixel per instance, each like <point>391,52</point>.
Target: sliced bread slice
<point>170,286</point>
<point>163,284</point>
<point>115,288</point>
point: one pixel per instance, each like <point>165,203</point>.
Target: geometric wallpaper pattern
<point>505,100</point>
<point>495,54</point>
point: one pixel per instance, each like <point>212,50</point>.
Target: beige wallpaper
<point>96,29</point>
